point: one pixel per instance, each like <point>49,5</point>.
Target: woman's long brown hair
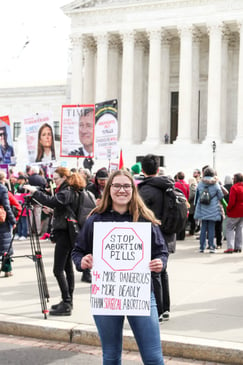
<point>136,206</point>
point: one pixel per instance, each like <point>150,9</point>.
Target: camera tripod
<point>36,255</point>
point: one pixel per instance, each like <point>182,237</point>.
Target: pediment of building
<point>121,14</point>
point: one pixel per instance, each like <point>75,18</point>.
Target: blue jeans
<point>207,227</point>
<point>22,227</point>
<point>145,329</point>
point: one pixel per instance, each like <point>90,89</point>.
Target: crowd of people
<point>215,214</point>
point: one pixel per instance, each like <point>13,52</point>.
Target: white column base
<point>152,142</point>
<point>238,141</point>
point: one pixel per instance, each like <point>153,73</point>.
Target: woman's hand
<point>47,210</point>
<point>31,188</point>
<point>87,262</point>
<point>156,265</point>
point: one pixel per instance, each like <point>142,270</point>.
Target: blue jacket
<point>5,228</point>
<point>211,212</point>
<point>84,244</point>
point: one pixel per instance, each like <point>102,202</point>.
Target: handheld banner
<point>121,277</point>
<point>6,144</point>
<point>40,137</point>
<point>77,131</point>
<point>106,130</point>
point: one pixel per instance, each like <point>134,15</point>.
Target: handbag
<point>3,214</point>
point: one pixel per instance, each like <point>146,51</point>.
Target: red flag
<point>121,164</point>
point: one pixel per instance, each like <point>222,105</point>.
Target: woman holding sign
<point>121,203</point>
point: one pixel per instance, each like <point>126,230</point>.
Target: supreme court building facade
<point>176,68</point>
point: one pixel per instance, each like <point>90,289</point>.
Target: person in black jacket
<point>152,190</point>
<point>67,185</point>
<point>98,186</point>
<point>38,181</point>
<point>9,224</point>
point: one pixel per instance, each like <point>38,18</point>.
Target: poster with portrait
<point>40,138</point>
<point>7,155</point>
<point>106,130</point>
<point>77,131</point>
<point>121,279</point>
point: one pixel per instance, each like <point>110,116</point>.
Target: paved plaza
<point>206,304</point>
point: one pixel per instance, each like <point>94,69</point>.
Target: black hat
<point>102,174</point>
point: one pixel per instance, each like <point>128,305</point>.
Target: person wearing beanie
<point>136,169</point>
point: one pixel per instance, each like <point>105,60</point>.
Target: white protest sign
<point>121,277</point>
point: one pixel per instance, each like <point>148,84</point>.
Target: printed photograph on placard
<point>77,131</point>
<point>40,138</point>
<point>6,144</point>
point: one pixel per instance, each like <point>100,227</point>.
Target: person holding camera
<point>67,185</point>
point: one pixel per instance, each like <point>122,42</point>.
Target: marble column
<point>214,83</point>
<point>185,85</point>
<point>101,67</point>
<point>239,133</point>
<point>140,115</point>
<point>77,70</point>
<point>165,83</point>
<point>153,124</point>
<point>195,127</point>
<point>224,84</point>
<point>89,71</point>
<point>127,88</point>
<point>114,74</point>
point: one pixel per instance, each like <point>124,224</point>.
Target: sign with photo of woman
<point>40,138</point>
<point>6,149</point>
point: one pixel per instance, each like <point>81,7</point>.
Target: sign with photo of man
<point>6,144</point>
<point>77,131</point>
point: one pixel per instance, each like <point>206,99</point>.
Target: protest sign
<point>77,131</point>
<point>40,137</point>
<point>6,144</point>
<point>121,277</point>
<point>106,130</point>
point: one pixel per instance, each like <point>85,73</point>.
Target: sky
<point>34,40</point>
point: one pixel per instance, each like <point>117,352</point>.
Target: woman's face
<point>58,180</point>
<point>46,137</point>
<point>121,192</point>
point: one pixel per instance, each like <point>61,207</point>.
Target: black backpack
<point>174,215</point>
<point>75,221</point>
<point>85,205</point>
<point>205,197</point>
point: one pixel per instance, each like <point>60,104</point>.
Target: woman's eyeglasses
<point>117,187</point>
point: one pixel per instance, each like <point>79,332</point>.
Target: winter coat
<point>211,212</point>
<point>84,243</point>
<point>235,205</point>
<point>15,205</point>
<point>5,228</point>
<point>151,189</point>
<point>63,197</point>
<point>184,187</point>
